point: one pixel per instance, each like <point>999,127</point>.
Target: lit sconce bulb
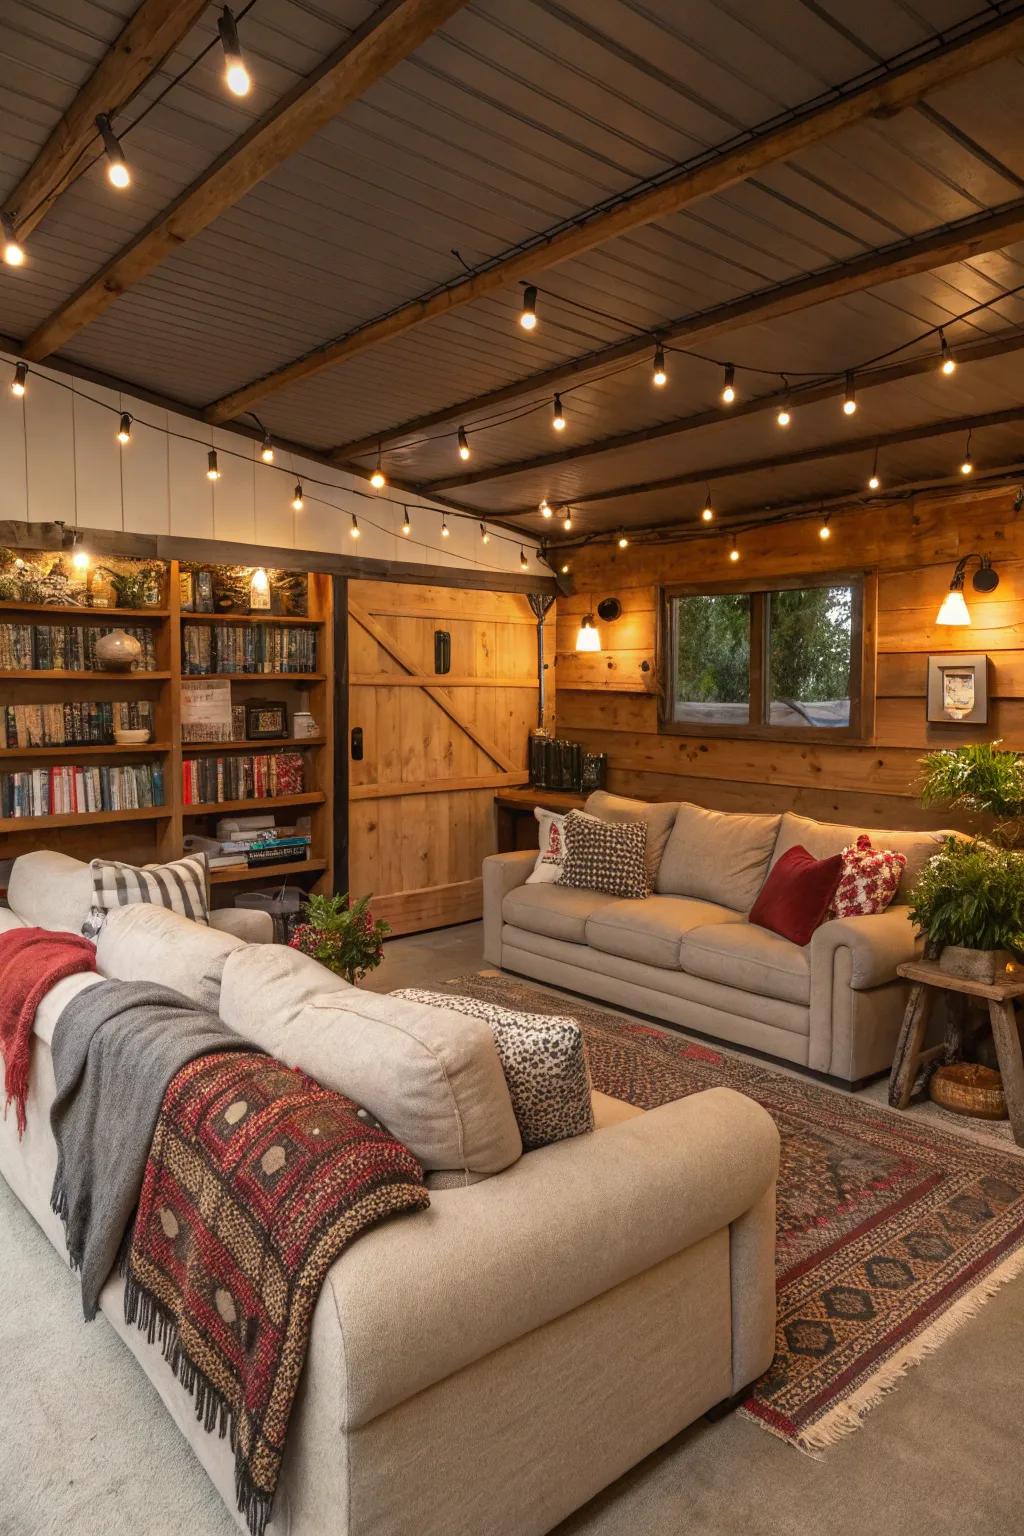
<point>524,563</point>
<point>267,451</point>
<point>463,444</point>
<point>558,418</point>
<point>545,510</point>
<point>850,397</point>
<point>260,580</point>
<point>297,500</point>
<point>19,382</point>
<point>587,637</point>
<point>567,520</point>
<point>485,537</point>
<point>948,364</point>
<point>117,169</point>
<point>353,532</point>
<point>406,525</point>
<point>80,559</point>
<point>378,479</point>
<point>528,315</point>
<point>659,376</point>
<point>729,387</point>
<point>708,513</point>
<point>14,252</point>
<point>824,532</point>
<point>124,431</point>
<point>623,541</point>
<point>734,553</point>
<point>235,72</point>
<point>212,471</point>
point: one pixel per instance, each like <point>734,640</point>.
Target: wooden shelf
<point>110,749</point>
<point>250,618</point>
<point>83,818</point>
<point>278,743</point>
<point>263,803</point>
<point>49,675</point>
<point>253,677</point>
<point>267,871</point>
<point>41,609</point>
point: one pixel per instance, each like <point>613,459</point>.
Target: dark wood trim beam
<point>891,374</point>
<point>394,31</point>
<point>156,27</point>
<point>959,242</point>
<point>891,93</point>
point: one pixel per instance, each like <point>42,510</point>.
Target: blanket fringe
<point>212,1409</point>
<point>848,1416</point>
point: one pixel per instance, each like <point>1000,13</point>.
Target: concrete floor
<point>86,1447</point>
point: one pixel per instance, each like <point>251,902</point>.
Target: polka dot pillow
<point>869,881</point>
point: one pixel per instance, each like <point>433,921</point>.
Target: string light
<point>523,562</point>
<point>19,382</point>
<point>378,479</point>
<point>708,514</point>
<point>567,520</point>
<point>528,315</point>
<point>14,251</point>
<point>463,444</point>
<point>734,552</point>
<point>446,532</point>
<point>117,168</point>
<point>967,465</point>
<point>659,376</point>
<point>946,352</point>
<point>267,451</point>
<point>729,386</point>
<point>212,471</point>
<point>406,525</point>
<point>485,537</point>
<point>825,532</point>
<point>79,553</point>
<point>237,76</point>
<point>623,541</point>
<point>353,532</point>
<point>558,419</point>
<point>297,499</point>
<point>850,398</point>
<point>124,431</point>
<point>565,569</point>
<point>874,482</point>
<point>784,415</point>
<point>545,510</point>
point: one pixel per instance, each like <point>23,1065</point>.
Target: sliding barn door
<point>428,747</point>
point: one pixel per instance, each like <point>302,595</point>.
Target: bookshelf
<point>156,833</point>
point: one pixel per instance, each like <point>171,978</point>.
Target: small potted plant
<point>137,587</point>
<point>342,934</point>
<point>969,902</point>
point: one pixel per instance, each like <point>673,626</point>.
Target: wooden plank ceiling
<point>818,190</point>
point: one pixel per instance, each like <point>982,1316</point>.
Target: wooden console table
<point>514,811</point>
<point>927,980</point>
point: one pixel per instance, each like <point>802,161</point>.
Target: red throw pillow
<point>870,879</point>
<point>797,894</point>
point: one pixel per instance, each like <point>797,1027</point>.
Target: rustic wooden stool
<point>928,979</point>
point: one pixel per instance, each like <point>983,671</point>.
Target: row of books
<point>65,647</point>
<point>211,648</point>
<point>70,790</point>
<point>80,724</point>
<point>212,780</point>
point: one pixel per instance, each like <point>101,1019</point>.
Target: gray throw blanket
<point>116,1047</point>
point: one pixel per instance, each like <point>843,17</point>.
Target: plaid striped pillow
<point>181,887</point>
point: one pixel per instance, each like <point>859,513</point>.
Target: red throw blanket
<point>256,1180</point>
<point>32,960</point>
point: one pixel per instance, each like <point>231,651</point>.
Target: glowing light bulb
<point>948,364</point>
<point>14,253</point>
<point>558,418</point>
<point>485,537</point>
<point>260,580</point>
<point>874,482</point>
<point>954,608</point>
<point>117,170</point>
<point>267,451</point>
<point>545,510</point>
<point>734,553</point>
<point>463,444</point>
<point>784,417</point>
<point>378,479</point>
<point>824,532</point>
<point>406,525</point>
<point>967,464</point>
<point>565,569</point>
<point>659,376</point>
<point>729,387</point>
<point>297,500</point>
<point>80,559</point>
<point>528,315</point>
<point>567,521</point>
<point>708,512</point>
<point>235,72</point>
<point>850,398</point>
<point>587,637</point>
<point>523,562</point>
<point>20,381</point>
<point>117,175</point>
<point>212,470</point>
<point>353,532</point>
<point>623,542</point>
<point>446,532</point>
<point>124,431</point>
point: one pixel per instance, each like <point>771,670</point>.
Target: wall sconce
<point>954,608</point>
<point>587,637</point>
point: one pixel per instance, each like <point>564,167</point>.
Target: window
<point>785,658</point>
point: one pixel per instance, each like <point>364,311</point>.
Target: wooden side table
<point>516,827</point>
<point>928,980</point>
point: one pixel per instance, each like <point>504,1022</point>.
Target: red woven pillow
<point>869,881</point>
<point>797,894</point>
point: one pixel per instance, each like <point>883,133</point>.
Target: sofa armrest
<point>877,945</point>
<point>251,926</point>
<point>502,873</point>
<point>421,1298</point>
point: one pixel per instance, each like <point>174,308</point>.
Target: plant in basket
<point>342,934</point>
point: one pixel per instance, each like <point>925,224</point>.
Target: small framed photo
<point>958,689</point>
<point>266,720</point>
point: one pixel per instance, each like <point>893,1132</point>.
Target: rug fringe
<point>848,1416</point>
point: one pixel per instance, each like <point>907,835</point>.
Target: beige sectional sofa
<point>687,953</point>
<point>490,1364</point>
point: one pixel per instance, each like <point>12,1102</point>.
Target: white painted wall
<point>59,459</point>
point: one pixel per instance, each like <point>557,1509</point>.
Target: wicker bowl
<point>969,1089</point>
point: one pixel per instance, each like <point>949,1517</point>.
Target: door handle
<point>357,743</point>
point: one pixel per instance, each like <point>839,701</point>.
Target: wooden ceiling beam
<point>901,87</point>
<point>892,373</point>
<point>148,37</point>
<point>394,31</point>
<point>959,242</point>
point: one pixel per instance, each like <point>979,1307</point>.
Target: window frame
<point>861,727</point>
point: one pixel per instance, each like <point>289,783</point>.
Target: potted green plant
<point>134,588</point>
<point>342,934</point>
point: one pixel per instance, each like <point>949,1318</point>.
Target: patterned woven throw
<point>256,1180</point>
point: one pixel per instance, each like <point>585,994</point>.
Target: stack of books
<point>65,647</point>
<point>211,648</point>
<point>79,724</point>
<point>73,790</point>
<point>250,842</point>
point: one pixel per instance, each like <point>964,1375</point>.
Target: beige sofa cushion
<point>274,982</point>
<point>717,856</point>
<point>651,930</point>
<point>750,958</point>
<point>51,890</point>
<point>560,911</point>
<point>658,819</point>
<point>144,943</point>
<point>431,1075</point>
<point>823,838</point>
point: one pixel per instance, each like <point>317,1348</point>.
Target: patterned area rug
<point>891,1232</point>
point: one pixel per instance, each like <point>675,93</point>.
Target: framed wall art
<point>958,689</point>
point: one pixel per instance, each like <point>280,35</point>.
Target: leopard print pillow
<point>544,1060</point>
<point>605,856</point>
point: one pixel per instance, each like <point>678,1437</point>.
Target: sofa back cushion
<point>431,1075</point>
<point>658,818</point>
<point>823,838</point>
<point>271,983</point>
<point>717,856</point>
<point>51,890</point>
<point>144,943</point>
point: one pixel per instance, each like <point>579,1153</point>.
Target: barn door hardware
<point>442,651</point>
